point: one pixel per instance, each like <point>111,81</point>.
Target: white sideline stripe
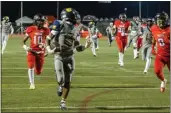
<point>76,76</point>
<point>89,107</point>
<point>92,86</point>
<point>109,68</point>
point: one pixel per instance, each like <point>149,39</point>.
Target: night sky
<point>30,8</point>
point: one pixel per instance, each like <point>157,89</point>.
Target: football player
<point>7,29</point>
<point>79,26</point>
<point>146,44</point>
<point>161,39</point>
<point>93,37</point>
<point>109,31</point>
<point>121,30</point>
<point>35,52</point>
<point>63,48</point>
<point>133,35</point>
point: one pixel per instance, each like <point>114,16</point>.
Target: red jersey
<point>122,28</point>
<point>37,37</point>
<point>162,38</point>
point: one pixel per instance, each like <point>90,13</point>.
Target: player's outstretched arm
<point>80,47</point>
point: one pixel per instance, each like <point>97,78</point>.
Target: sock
<point>135,53</point>
<point>148,63</point>
<point>93,50</point>
<point>31,75</point>
<point>119,57</point>
<point>122,56</point>
<point>62,100</point>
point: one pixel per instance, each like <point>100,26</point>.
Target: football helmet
<point>161,19</point>
<point>149,22</point>
<point>123,17</point>
<point>136,19</point>
<point>91,24</point>
<point>70,14</point>
<point>5,19</point>
<point>39,20</point>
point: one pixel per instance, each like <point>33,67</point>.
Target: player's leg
<point>39,64</point>
<point>148,59</point>
<point>69,67</point>
<point>109,39</point>
<point>120,48</point>
<point>4,44</point>
<point>97,44</point>
<point>60,77</point>
<point>139,44</point>
<point>158,66</point>
<point>135,52</point>
<point>129,41</point>
<point>168,63</point>
<point>31,63</point>
<point>93,46</point>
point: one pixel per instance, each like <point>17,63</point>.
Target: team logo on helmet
<point>68,9</point>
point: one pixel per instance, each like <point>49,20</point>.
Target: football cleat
<point>59,91</point>
<point>32,86</point>
<point>95,55</point>
<point>121,64</point>
<point>145,72</point>
<point>63,106</point>
<point>163,85</point>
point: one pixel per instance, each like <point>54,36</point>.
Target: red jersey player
<point>121,27</point>
<point>35,57</point>
<point>161,38</point>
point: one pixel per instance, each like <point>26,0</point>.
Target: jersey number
<point>37,39</point>
<point>161,42</point>
<point>121,30</point>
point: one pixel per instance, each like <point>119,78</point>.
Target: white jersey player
<point>93,35</point>
<point>79,26</point>
<point>147,45</point>
<point>133,35</point>
<point>7,30</point>
<point>109,31</point>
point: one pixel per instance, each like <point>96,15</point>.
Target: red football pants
<point>159,63</point>
<point>35,61</point>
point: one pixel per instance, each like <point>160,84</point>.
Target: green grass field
<point>99,84</point>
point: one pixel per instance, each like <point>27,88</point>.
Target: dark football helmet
<point>123,17</point>
<point>161,19</point>
<point>70,14</point>
<point>149,22</point>
<point>39,20</point>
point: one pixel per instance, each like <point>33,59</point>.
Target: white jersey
<point>109,30</point>
<point>7,28</point>
<point>93,31</point>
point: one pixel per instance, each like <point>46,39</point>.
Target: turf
<point>99,84</point>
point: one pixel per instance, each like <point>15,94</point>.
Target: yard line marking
<point>76,76</point>
<point>89,107</point>
<point>83,87</point>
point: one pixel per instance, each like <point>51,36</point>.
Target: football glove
<point>26,48</point>
<point>50,51</point>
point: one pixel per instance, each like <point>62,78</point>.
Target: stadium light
<point>21,15</point>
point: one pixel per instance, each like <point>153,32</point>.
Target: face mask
<point>160,22</point>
